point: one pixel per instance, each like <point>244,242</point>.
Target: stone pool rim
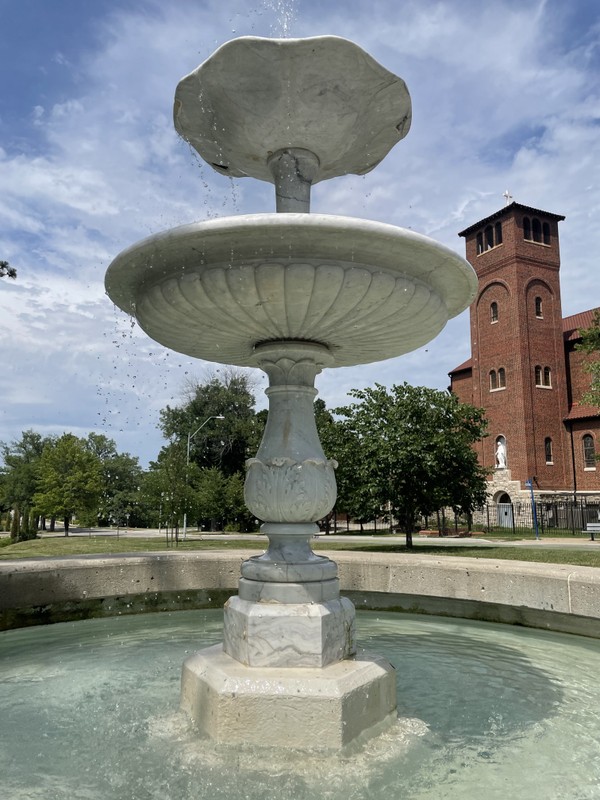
<point>556,597</point>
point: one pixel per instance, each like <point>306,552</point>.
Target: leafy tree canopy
<point>6,271</point>
<point>166,485</point>
<point>409,450</point>
<point>20,470</point>
<point>70,480</point>
<point>590,344</point>
<point>121,481</point>
<point>223,443</point>
<point>19,476</point>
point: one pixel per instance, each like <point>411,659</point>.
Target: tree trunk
<point>66,521</point>
<point>15,524</point>
<point>409,524</point>
<point>25,527</point>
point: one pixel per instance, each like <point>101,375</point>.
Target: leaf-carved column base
<point>290,484</point>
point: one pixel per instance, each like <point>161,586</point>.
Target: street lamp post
<point>529,485</point>
<point>190,436</point>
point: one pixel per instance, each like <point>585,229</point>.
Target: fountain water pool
<point>90,711</point>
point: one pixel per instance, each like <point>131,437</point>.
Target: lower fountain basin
<point>90,711</point>
<point>367,290</point>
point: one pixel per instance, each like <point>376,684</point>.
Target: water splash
<point>286,15</point>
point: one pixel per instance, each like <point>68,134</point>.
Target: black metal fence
<point>552,517</point>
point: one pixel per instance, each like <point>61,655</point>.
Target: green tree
<point>166,484</point>
<point>121,482</point>
<point>358,499</point>
<point>590,344</point>
<point>238,516</point>
<point>410,451</point>
<point>224,430</point>
<point>223,443</point>
<point>6,271</point>
<point>218,501</point>
<point>70,480</point>
<point>210,501</point>
<point>18,480</point>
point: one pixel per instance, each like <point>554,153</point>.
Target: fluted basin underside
<point>215,289</point>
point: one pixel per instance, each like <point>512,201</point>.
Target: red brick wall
<point>587,479</point>
<point>461,385</point>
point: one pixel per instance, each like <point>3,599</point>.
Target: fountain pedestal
<point>288,668</point>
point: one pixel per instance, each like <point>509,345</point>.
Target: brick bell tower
<point>518,362</point>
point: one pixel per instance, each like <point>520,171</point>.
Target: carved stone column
<point>288,611</point>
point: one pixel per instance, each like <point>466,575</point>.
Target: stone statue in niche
<point>500,455</point>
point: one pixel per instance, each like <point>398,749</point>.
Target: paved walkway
<point>579,542</point>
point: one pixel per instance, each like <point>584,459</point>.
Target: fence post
<point>487,511</point>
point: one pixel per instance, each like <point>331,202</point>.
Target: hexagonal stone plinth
<point>302,708</point>
<point>289,634</point>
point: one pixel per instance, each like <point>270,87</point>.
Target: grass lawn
<point>97,545</point>
<point>554,555</point>
<point>93,545</point>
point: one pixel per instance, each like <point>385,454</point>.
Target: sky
<point>505,94</point>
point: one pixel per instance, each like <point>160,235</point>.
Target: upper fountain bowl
<point>255,97</point>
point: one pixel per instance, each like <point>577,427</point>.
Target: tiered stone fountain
<point>290,293</point>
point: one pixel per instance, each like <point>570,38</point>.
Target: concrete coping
<point>553,596</point>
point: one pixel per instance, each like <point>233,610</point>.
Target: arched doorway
<point>504,510</point>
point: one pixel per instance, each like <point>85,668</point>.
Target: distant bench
<point>592,528</point>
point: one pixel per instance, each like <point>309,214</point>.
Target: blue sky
<point>506,95</point>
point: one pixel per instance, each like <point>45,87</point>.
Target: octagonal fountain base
<point>323,709</point>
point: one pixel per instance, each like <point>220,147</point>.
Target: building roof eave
<point>511,207</point>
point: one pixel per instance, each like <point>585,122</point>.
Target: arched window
<point>489,237</point>
<point>494,312</point>
<point>536,230</point>
<point>538,307</point>
<point>526,228</point>
<point>501,378</point>
<point>538,375</point>
<point>548,450</point>
<point>589,452</point>
<point>479,243</point>
<point>546,233</point>
<point>547,377</point>
<point>498,232</point>
<point>493,380</point>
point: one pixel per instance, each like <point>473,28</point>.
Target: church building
<point>525,370</point>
